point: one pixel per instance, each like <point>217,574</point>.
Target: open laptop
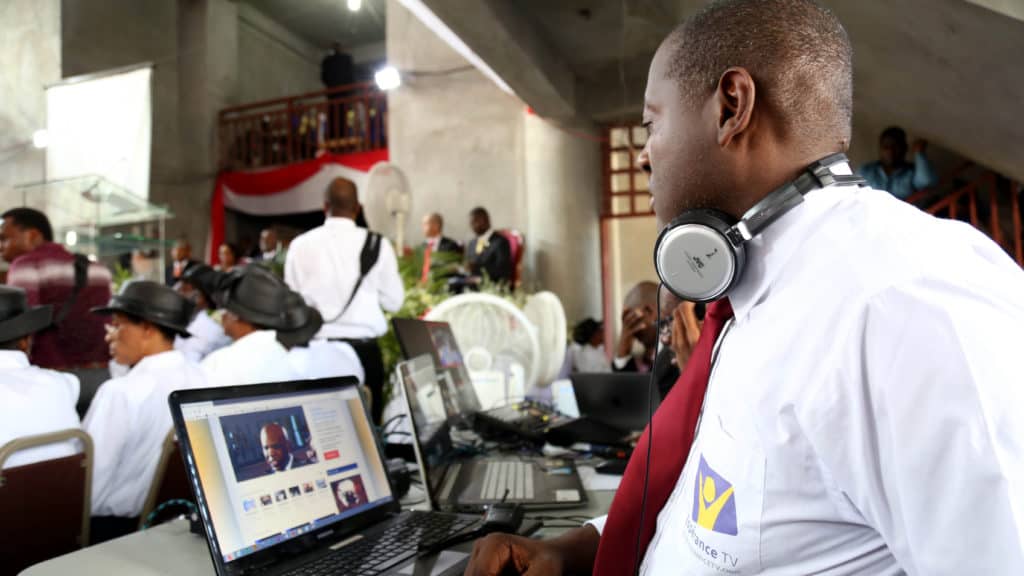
<point>454,482</point>
<point>524,420</point>
<point>289,479</point>
<point>617,399</point>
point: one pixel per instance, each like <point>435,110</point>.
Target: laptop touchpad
<point>435,565</point>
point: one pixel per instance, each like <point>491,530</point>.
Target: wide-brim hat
<point>205,279</point>
<point>154,303</point>
<point>302,322</point>
<point>255,295</point>
<point>17,318</point>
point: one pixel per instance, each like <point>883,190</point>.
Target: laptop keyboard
<point>515,476</point>
<point>400,542</point>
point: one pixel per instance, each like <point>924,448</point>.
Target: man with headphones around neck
<point>853,404</point>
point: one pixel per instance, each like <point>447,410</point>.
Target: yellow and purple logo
<point>714,501</point>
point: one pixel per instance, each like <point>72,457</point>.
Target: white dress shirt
<point>324,359</point>
<point>323,266</point>
<point>865,414</point>
<point>128,421</point>
<point>35,401</point>
<point>252,359</point>
<point>207,336</point>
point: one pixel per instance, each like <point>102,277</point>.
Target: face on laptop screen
<point>275,467</point>
<point>428,396</point>
<point>436,339</point>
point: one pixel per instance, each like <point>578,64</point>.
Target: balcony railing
<point>341,120</point>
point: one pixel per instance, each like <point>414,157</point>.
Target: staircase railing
<point>341,120</point>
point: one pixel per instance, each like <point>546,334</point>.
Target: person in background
<point>325,266</point>
<point>181,259</point>
<point>586,350</point>
<point>336,70</point>
<point>314,358</point>
<point>228,255</point>
<point>488,254</point>
<point>678,331</point>
<point>33,400</point>
<point>145,265</point>
<point>198,285</point>
<point>50,275</point>
<point>892,173</point>
<point>639,329</point>
<point>271,252</point>
<point>435,242</point>
<point>128,419</point>
<point>253,299</point>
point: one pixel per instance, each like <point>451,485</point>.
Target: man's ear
<point>734,98</point>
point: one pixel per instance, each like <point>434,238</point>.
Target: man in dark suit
<point>435,243</point>
<point>278,449</point>
<point>181,259</point>
<point>489,254</point>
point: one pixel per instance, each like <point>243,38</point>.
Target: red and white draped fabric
<point>289,189</point>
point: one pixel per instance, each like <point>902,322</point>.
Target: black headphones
<point>701,254</point>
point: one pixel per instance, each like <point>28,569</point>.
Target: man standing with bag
<point>351,276</point>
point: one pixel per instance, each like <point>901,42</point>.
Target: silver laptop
<point>455,481</point>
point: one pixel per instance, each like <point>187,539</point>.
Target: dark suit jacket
<point>169,272</point>
<point>495,260</point>
<point>446,244</point>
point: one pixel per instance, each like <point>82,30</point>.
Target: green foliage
<point>120,276</point>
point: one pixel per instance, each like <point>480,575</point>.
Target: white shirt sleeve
<point>107,420</point>
<point>598,523</point>
<point>621,361</point>
<point>925,437</point>
<point>391,291</point>
<point>292,275</point>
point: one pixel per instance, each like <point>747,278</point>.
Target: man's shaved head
<point>797,52</point>
<point>342,200</point>
<point>643,294</point>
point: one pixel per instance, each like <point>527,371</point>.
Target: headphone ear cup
<point>695,259</point>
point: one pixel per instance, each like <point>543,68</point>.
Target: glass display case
<point>91,215</point>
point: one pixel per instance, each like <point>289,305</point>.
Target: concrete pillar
<point>29,60</point>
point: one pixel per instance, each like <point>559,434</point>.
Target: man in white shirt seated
<point>310,358</point>
<point>129,418</point>
<point>253,300</point>
<point>198,284</point>
<point>33,400</point>
<point>853,404</point>
<point>351,276</point>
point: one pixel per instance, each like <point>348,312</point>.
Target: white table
<point>171,550</point>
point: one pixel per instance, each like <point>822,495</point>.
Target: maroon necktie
<point>675,423</point>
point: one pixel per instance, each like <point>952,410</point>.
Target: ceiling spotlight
<point>355,5</point>
<point>40,139</point>
<point>388,78</point>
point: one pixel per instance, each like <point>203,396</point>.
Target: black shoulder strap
<point>367,258</point>
<point>81,277</point>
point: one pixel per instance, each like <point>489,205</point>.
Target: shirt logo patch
<point>714,501</point>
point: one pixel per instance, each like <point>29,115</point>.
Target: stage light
<point>355,5</point>
<point>388,78</point>
<point>40,139</point>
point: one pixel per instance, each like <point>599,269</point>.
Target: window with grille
<point>626,190</point>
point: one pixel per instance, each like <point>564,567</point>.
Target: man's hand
<point>499,554</point>
<point>685,332</point>
<point>632,324</point>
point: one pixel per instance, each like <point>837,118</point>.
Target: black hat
<point>204,278</point>
<point>255,295</point>
<point>154,303</point>
<point>17,319</point>
<point>302,322</point>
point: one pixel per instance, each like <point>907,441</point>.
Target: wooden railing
<point>989,190</point>
<point>341,120</point>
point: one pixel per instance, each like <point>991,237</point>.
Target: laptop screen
<point>275,467</point>
<point>428,399</point>
<point>419,337</point>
